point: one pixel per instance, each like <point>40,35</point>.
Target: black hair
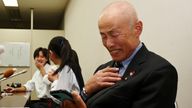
<point>44,51</point>
<point>62,49</point>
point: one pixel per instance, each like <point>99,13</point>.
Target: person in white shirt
<point>42,63</point>
<point>68,75</point>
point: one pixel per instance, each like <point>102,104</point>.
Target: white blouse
<point>66,81</point>
<point>42,89</point>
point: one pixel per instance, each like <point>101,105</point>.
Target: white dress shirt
<point>42,89</point>
<point>66,81</point>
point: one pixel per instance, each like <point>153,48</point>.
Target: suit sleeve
<point>158,90</point>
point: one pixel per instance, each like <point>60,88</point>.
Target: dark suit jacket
<point>149,82</point>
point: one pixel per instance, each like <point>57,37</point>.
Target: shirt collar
<point>128,60</point>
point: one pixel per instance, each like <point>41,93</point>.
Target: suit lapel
<point>132,70</point>
<point>134,67</point>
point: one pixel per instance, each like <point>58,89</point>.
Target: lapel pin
<point>131,73</point>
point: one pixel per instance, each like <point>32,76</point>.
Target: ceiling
<point>48,14</point>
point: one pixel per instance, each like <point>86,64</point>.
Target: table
<point>15,100</point>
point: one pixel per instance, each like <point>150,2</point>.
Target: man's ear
<point>138,28</point>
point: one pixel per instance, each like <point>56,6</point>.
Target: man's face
<point>118,37</point>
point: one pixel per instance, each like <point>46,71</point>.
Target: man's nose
<point>109,42</point>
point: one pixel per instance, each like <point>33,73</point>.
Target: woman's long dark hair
<point>61,47</point>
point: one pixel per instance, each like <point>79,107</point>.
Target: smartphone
<point>62,95</point>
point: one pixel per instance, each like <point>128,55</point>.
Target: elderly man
<point>143,80</point>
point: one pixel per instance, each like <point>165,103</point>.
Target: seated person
<point>41,58</point>
<point>67,77</point>
<point>68,74</point>
<point>143,80</point>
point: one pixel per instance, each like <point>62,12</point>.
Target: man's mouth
<point>114,51</point>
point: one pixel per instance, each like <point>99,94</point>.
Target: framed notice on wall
<point>15,54</point>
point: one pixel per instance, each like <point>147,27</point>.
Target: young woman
<point>41,57</point>
<point>68,74</point>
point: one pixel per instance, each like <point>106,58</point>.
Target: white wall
<point>167,31</point>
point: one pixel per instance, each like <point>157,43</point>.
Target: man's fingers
<point>110,79</point>
<point>110,74</point>
<point>110,69</point>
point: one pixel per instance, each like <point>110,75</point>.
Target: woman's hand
<point>52,77</point>
<point>9,89</point>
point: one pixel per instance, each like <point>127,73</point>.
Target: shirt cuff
<point>53,85</point>
<point>46,80</point>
